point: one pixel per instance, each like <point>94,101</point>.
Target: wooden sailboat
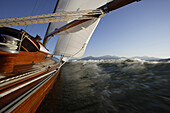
<point>27,69</point>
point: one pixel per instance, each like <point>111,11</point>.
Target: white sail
<point>74,44</point>
<point>73,41</point>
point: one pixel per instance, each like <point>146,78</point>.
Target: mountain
<point>106,57</point>
<point>109,57</point>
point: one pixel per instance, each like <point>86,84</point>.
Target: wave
<point>122,85</point>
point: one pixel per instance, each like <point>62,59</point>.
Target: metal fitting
<point>10,44</point>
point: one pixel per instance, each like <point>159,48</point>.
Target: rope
<point>55,17</point>
<point>53,14</point>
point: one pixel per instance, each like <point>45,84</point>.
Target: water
<point>119,86</point>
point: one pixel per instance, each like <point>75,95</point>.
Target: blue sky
<point>139,29</point>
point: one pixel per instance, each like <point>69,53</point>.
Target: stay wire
<point>32,12</point>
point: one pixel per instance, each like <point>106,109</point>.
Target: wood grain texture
<point>8,61</point>
<point>24,69</point>
<point>15,94</point>
<point>19,82</point>
<point>8,98</point>
<point>30,57</point>
<point>33,102</point>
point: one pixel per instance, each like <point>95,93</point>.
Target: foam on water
<point>116,86</point>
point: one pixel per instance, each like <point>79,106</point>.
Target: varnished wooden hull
<point>33,102</point>
<point>24,88</point>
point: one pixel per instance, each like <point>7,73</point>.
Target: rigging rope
<point>46,18</point>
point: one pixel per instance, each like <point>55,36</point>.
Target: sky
<point>139,29</point>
